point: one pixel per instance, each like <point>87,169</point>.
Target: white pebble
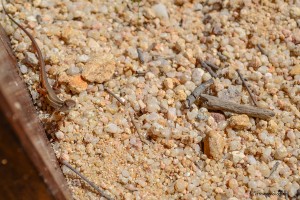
<point>73,71</point>
<point>132,141</point>
<point>34,94</point>
<point>141,182</point>
<point>160,11</point>
<point>192,115</point>
<point>180,185</point>
<point>125,173</point>
<point>103,9</point>
<point>267,152</point>
<point>198,6</point>
<point>172,114</point>
<point>291,135</point>
<point>252,184</point>
<point>237,156</point>
<point>113,128</point>
<point>263,69</point>
<point>83,58</point>
<point>31,58</point>
<point>280,153</point>
<point>152,105</point>
<point>251,160</point>
<point>23,69</point>
<point>132,53</point>
<point>235,145</point>
<point>59,135</point>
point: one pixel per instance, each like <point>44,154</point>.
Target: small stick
<point>204,65</point>
<point>156,57</point>
<point>215,103</point>
<point>215,67</point>
<point>246,86</point>
<point>198,165</point>
<point>198,90</point>
<point>140,55</point>
<point>131,116</point>
<point>140,74</point>
<point>93,185</point>
<point>222,57</point>
<point>115,96</point>
<point>262,50</point>
<point>274,169</point>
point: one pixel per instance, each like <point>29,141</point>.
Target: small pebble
<point>73,71</point>
<point>240,122</point>
<point>112,128</point>
<point>23,69</point>
<point>180,185</point>
<point>214,144</point>
<point>83,58</point>
<point>160,11</point>
<point>280,153</point>
<point>31,59</point>
<point>59,135</point>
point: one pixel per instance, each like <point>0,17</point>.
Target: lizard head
<point>68,104</point>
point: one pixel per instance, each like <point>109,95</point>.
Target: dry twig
<point>115,96</point>
<point>222,57</point>
<point>93,185</point>
<point>246,86</point>
<point>213,66</point>
<point>205,66</point>
<point>131,117</point>
<point>274,169</point>
<point>262,50</point>
<point>198,90</point>
<point>215,103</point>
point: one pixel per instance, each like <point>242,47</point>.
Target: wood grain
<point>17,107</point>
<point>215,103</point>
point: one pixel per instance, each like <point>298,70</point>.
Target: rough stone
<point>295,12</point>
<point>99,69</point>
<point>77,84</point>
<point>214,144</point>
<point>239,122</point>
<point>295,70</point>
<point>180,185</point>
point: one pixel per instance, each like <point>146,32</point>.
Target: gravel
<point>88,46</point>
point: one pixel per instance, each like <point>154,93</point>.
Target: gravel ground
<point>92,45</point>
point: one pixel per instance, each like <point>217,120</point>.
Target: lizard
<point>51,96</point>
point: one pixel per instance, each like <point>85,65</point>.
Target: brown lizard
<point>51,96</point>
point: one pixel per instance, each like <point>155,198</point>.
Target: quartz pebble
<point>31,59</point>
<point>280,153</point>
<point>59,135</point>
<point>180,185</point>
<point>113,128</point>
<point>73,71</point>
<point>23,69</point>
<point>295,12</point>
<point>160,11</point>
<point>237,156</point>
<point>83,58</point>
